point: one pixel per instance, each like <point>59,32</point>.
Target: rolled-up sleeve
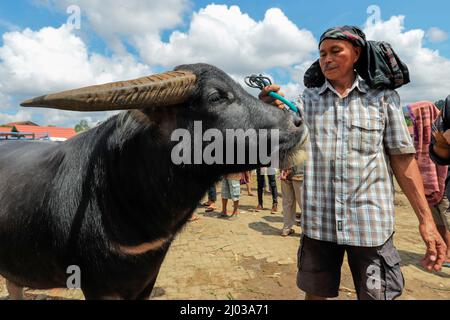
<point>397,139</point>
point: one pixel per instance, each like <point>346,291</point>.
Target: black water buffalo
<point>111,200</point>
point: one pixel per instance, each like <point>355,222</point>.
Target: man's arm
<point>408,176</point>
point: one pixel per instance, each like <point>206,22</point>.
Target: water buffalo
<point>111,200</point>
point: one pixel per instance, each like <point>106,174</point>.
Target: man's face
<point>337,58</point>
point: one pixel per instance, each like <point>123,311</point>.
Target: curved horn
<point>167,88</point>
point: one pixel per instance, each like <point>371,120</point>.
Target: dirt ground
<point>419,284</point>
<point>275,280</point>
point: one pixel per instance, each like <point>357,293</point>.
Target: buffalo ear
<point>163,89</point>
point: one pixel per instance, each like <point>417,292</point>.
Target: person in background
<point>210,204</point>
<point>291,189</point>
<point>440,154</point>
<point>212,198</point>
<point>231,190</point>
<point>246,179</point>
<point>271,173</point>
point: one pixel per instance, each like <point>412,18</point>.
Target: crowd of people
<point>232,185</point>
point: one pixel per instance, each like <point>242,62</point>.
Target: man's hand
<point>436,248</point>
<point>446,135</point>
<point>441,147</point>
<point>442,138</point>
<point>264,96</point>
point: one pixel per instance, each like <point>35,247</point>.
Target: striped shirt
<point>348,193</point>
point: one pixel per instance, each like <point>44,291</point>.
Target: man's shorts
<point>231,189</point>
<point>441,213</point>
<point>376,271</point>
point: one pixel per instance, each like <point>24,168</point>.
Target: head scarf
<point>350,33</point>
<point>378,64</point>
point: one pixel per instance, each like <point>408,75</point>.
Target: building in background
<point>31,131</point>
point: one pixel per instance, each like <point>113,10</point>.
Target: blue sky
<point>317,16</point>
<point>118,48</point>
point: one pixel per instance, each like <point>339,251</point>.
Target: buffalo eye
<point>215,97</point>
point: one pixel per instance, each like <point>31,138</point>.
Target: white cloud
<point>69,119</point>
<point>114,19</point>
<point>5,101</point>
<point>52,59</point>
<point>436,35</point>
<point>246,46</point>
<point>22,115</point>
<point>292,90</point>
<point>217,34</point>
<point>429,70</point>
<point>231,40</point>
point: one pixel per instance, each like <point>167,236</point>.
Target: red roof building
<point>5,129</point>
<point>52,133</point>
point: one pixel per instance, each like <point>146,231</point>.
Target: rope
<point>260,82</point>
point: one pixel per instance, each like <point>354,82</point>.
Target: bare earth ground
<point>216,258</point>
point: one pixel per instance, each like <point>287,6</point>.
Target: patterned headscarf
<point>378,64</point>
<point>350,33</point>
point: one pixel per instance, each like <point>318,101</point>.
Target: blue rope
<point>260,82</point>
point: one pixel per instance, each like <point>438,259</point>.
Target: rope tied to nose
<point>261,81</point>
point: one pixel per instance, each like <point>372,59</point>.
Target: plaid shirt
<point>348,184</point>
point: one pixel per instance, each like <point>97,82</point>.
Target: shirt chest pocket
<point>366,135</point>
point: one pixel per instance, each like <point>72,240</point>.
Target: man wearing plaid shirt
<point>359,139</point>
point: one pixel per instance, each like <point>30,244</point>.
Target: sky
<point>52,45</point>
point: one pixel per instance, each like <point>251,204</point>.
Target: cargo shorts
<point>376,271</point>
<point>231,189</point>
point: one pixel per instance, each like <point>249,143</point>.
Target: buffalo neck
<point>147,197</point>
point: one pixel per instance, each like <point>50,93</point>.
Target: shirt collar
<point>359,83</point>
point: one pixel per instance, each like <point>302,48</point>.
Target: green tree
<point>82,126</point>
<point>408,120</point>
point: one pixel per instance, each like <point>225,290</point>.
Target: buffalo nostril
<point>297,121</point>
